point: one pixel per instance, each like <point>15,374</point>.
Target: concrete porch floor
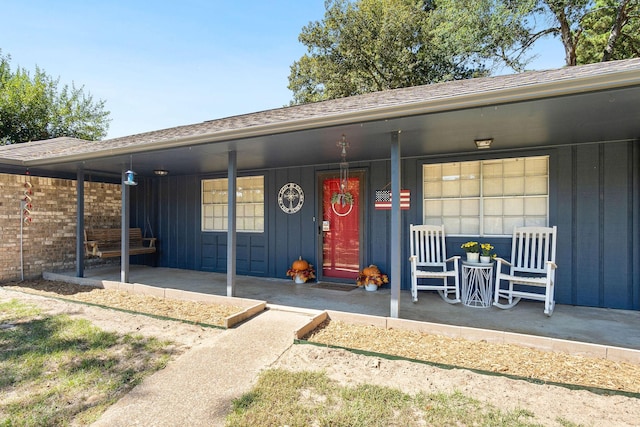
<point>619,328</point>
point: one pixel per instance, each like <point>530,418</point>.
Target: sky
<point>159,64</point>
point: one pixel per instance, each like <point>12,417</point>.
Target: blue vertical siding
<point>615,200</point>
<point>378,231</point>
<point>292,235</point>
<point>586,237</point>
<point>597,217</point>
<point>563,217</point>
<point>594,200</point>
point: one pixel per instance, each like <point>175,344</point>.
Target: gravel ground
<point>549,404</point>
<point>479,355</point>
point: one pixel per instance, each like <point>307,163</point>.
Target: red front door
<point>341,228</point>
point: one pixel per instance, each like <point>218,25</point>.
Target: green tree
<point>590,31</point>
<point>612,31</point>
<point>504,31</point>
<point>495,33</point>
<point>372,45</point>
<point>32,108</point>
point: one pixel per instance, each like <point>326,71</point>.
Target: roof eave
<point>530,92</point>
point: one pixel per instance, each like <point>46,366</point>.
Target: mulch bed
<point>505,359</point>
<point>190,311</point>
<point>478,355</point>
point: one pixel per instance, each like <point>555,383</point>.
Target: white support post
<point>80,222</point>
<point>396,226</point>
<point>231,231</point>
<point>124,244</point>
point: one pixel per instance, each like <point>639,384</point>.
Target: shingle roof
<point>427,97</point>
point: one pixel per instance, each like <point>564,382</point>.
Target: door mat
<point>334,286</point>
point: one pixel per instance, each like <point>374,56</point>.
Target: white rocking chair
<point>429,261</point>
<point>533,263</point>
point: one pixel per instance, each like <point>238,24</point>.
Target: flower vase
<point>371,287</point>
<point>473,256</point>
<point>485,259</point>
<point>299,278</point>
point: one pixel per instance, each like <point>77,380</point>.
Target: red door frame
<point>363,204</point>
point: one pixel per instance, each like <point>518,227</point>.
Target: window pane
<point>535,221</point>
<point>537,166</point>
<point>470,170</point>
<point>469,225</point>
<point>493,225</point>
<point>450,171</point>
<point>249,208</point>
<point>433,173</point>
<point>220,210</point>
<point>510,223</point>
<point>492,206</point>
<point>491,168</point>
<point>451,208</point>
<point>433,189</point>
<point>492,187</point>
<point>433,220</point>
<point>451,189</point>
<point>514,186</point>
<point>453,192</point>
<point>513,167</point>
<point>451,225</point>
<point>513,207</point>
<point>219,197</point>
<point>537,185</point>
<point>470,207</point>
<point>470,188</point>
<point>535,206</point>
<point>433,208</point>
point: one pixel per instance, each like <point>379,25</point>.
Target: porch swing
<point>106,242</point>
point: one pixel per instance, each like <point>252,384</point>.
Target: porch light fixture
<point>129,178</point>
<point>130,175</point>
<point>483,144</point>
<point>161,172</point>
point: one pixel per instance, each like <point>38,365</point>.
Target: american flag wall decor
<point>383,199</point>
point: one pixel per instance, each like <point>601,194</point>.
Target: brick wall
<point>49,241</point>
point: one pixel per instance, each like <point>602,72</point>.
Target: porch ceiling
<point>584,118</point>
<point>574,105</point>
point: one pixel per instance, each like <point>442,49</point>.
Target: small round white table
<point>477,284</point>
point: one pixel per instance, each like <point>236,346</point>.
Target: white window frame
<point>250,204</point>
<point>471,185</point>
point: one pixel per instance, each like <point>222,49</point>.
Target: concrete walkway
<point>197,389</point>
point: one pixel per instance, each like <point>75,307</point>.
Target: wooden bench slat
<point>105,242</point>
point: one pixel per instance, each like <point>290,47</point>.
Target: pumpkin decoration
<point>372,270</point>
<point>371,275</point>
<point>299,264</point>
<point>301,271</point>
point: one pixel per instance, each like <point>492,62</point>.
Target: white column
<point>396,226</point>
<point>80,222</point>
<point>124,235</point>
<point>231,231</point>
